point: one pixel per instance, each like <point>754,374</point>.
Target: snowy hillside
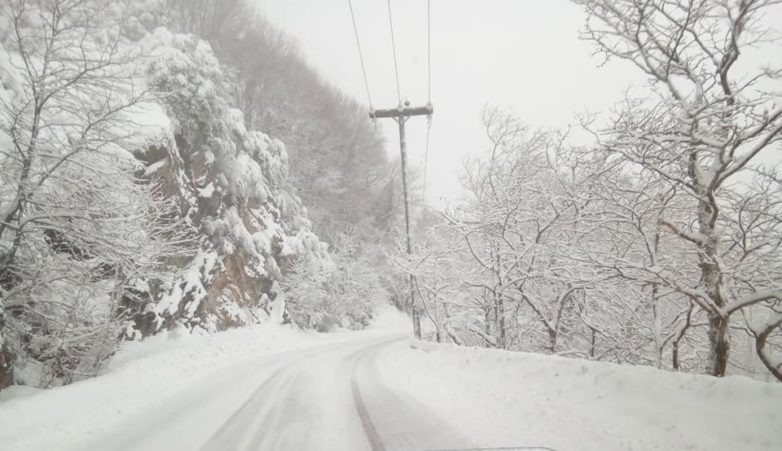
<point>158,206</point>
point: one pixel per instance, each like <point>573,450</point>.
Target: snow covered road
<point>330,398</point>
<point>277,389</point>
<point>325,397</point>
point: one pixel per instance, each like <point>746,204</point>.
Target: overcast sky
<point>523,55</point>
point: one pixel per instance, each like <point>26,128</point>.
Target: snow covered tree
<point>705,122</point>
<point>625,239</point>
<point>558,249</point>
<point>79,229</point>
<point>339,291</point>
<point>756,218</point>
<point>515,230</point>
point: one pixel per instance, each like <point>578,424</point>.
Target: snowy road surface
<point>277,389</point>
<point>325,398</point>
<point>330,398</point>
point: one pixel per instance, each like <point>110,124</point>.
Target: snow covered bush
<point>342,291</point>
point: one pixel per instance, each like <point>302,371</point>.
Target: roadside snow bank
<point>506,399</point>
<point>159,377</point>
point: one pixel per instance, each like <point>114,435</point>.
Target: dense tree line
<point>657,243</point>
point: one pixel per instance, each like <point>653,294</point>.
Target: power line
<point>393,48</point>
<point>429,48</point>
<point>426,155</point>
<point>360,55</point>
<point>429,89</point>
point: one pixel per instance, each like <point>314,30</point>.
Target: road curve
<point>331,398</point>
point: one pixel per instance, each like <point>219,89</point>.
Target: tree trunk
<point>6,366</point>
<point>711,273</point>
<point>488,321</point>
<point>502,334</point>
<point>760,343</point>
<point>6,358</point>
<point>659,343</point>
<point>678,338</point>
<point>719,347</point>
<point>675,348</point>
<point>452,334</point>
<point>416,317</point>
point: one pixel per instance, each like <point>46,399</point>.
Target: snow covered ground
<point>507,399</point>
<point>176,392</point>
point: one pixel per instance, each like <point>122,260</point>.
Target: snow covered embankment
<point>506,399</point>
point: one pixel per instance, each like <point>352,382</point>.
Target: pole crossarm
<point>401,113</point>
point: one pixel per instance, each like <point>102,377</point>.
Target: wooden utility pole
<point>400,115</point>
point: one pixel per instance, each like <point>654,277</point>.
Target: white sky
<point>523,55</point>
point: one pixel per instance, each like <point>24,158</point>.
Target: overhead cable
<point>360,55</point>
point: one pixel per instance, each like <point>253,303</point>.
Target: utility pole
<point>401,114</point>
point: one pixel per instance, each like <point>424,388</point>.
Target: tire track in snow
<point>369,414</point>
<point>392,419</point>
<point>246,423</point>
<point>366,421</point>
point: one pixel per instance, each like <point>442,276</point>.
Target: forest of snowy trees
<point>658,242</point>
<point>152,176</point>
